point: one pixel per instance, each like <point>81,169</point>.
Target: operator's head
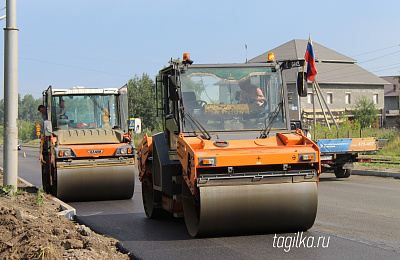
<point>245,84</point>
<point>42,109</point>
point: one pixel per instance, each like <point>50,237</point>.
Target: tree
<point>365,112</point>
<point>1,111</point>
<point>28,116</point>
<point>27,108</point>
<point>142,101</point>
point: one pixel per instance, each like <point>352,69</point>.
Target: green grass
<point>325,133</point>
<point>8,190</point>
<point>35,142</point>
<point>137,138</point>
<point>392,147</point>
<point>391,151</point>
<point>39,197</point>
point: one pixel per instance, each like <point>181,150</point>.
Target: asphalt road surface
<point>358,218</point>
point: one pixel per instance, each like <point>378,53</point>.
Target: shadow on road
<point>137,227</point>
<point>329,179</point>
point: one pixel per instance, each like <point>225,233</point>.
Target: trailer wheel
<point>151,198</point>
<point>348,173</point>
<point>342,173</point>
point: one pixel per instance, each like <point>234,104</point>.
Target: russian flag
<point>310,58</point>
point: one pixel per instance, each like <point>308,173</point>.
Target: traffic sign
<point>131,123</point>
<point>37,129</point>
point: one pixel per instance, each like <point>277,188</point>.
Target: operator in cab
<point>62,114</point>
<point>251,94</point>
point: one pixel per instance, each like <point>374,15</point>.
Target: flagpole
<point>314,116</point>
<point>311,72</point>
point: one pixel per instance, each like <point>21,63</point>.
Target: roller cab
<point>88,150</point>
<point>227,161</point>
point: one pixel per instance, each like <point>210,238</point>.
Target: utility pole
<point>10,159</point>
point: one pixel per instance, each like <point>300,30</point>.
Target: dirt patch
<point>31,229</point>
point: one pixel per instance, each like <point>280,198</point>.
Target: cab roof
<point>82,91</point>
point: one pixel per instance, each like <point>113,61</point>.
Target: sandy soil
<point>31,229</point>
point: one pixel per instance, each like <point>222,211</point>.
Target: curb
<point>66,210</point>
<point>395,175</point>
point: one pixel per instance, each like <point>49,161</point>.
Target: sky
<point>102,44</point>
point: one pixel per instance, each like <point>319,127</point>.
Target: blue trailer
<point>340,154</point>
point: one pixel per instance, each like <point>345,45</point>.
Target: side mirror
<point>48,128</point>
<point>301,85</point>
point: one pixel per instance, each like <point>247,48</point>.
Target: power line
<point>361,62</point>
<point>87,58</point>
<point>357,74</point>
<point>377,50</point>
<point>97,49</point>
<point>351,74</point>
<point>21,90</point>
<point>379,57</point>
<point>99,71</point>
<point>389,65</point>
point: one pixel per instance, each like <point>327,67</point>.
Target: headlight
<point>67,153</point>
<point>64,153</point>
<point>125,150</point>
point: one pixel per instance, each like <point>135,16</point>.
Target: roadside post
<point>10,156</point>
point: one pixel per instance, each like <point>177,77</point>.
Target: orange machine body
<point>144,151</point>
<point>282,149</point>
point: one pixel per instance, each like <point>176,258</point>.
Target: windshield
<point>84,111</point>
<point>223,99</point>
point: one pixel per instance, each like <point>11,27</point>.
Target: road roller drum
<point>243,209</point>
<point>95,183</point>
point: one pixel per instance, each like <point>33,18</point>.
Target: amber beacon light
<point>186,58</point>
<point>271,56</point>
